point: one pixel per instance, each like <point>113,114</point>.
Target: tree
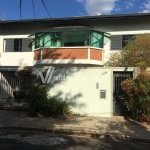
<point>138,95</point>
<point>135,54</point>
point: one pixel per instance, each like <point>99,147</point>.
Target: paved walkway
<point>102,127</point>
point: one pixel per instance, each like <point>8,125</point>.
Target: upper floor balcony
<point>69,45</point>
<point>68,55</point>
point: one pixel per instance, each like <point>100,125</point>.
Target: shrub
<point>38,97</point>
<point>55,107</point>
<point>138,92</point>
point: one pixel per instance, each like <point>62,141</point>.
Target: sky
<point>9,9</point>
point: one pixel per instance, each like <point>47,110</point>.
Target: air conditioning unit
<point>58,34</point>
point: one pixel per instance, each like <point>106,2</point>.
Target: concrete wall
<point>82,86</point>
<point>16,59</point>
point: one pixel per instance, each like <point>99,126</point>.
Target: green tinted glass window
<point>97,39</point>
<point>39,40</point>
<point>69,38</point>
<point>76,38</point>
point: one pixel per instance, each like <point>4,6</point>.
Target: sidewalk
<point>101,127</point>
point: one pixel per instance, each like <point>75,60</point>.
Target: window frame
<point>126,38</point>
<point>9,45</point>
<point>17,42</point>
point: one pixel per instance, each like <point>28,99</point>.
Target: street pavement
<point>117,127</point>
<point>23,140</point>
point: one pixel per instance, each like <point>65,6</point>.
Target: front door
<point>118,94</point>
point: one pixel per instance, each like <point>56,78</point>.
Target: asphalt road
<point>19,140</point>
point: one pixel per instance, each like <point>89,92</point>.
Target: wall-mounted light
<point>97,85</point>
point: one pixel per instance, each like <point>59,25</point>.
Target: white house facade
<point>77,47</point>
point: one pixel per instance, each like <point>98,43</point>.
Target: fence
<point>11,94</point>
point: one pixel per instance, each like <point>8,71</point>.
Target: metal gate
<point>118,93</point>
<point>11,94</point>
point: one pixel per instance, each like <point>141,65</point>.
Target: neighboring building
<point>77,47</point>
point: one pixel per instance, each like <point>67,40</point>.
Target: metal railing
<point>11,94</point>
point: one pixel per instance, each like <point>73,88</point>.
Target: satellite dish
<point>98,14</point>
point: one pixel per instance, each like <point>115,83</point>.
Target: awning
<point>70,29</point>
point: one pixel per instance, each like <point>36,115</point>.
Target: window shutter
<point>116,42</point>
<point>9,45</point>
<point>25,45</point>
<point>17,45</point>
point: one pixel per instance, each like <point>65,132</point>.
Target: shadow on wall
<point>72,99</point>
<point>67,96</point>
<point>21,63</point>
<point>62,70</point>
<point>68,72</point>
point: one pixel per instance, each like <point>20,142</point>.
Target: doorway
<point>119,108</point>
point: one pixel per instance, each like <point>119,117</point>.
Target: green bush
<point>39,103</point>
<point>50,107</point>
<point>138,92</point>
<point>55,107</point>
<point>37,98</point>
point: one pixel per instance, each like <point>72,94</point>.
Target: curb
<point>137,139</point>
<point>113,136</point>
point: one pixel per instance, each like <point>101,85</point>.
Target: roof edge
<point>112,16</point>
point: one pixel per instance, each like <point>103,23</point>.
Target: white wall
<point>14,58</point>
<point>79,88</point>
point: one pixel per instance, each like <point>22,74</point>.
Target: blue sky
<point>67,8</point>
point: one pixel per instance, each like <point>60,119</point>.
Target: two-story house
<point>77,47</point>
